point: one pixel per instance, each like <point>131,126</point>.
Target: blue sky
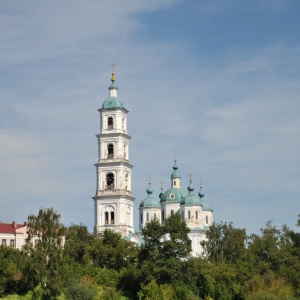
<point>215,82</point>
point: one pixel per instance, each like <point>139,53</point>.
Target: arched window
<point>141,218</point>
<point>147,217</point>
<point>154,216</point>
<point>189,214</point>
<point>174,182</point>
<point>106,217</point>
<point>112,217</point>
<point>163,215</point>
<point>172,212</point>
<point>110,123</point>
<point>182,215</point>
<point>196,214</point>
<point>123,122</point>
<point>110,179</point>
<point>206,219</point>
<point>110,151</point>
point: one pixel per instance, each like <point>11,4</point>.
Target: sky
<point>216,83</point>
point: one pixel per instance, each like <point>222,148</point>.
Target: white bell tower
<point>113,200</point>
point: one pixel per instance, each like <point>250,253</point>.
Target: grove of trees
<point>105,266</point>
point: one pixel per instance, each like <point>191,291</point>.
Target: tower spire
<point>113,73</point>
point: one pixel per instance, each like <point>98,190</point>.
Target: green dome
<point>191,199</point>
<point>173,195</point>
<point>206,206</point>
<point>150,201</point>
<point>175,173</point>
<point>112,102</point>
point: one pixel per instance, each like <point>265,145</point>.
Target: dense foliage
<point>94,266</point>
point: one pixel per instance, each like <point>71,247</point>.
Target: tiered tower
<point>113,199</point>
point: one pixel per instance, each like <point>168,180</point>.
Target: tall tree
<point>225,243</point>
<point>45,245</point>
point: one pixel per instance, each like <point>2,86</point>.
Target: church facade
<point>113,201</point>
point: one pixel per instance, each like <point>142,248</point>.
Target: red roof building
<point>13,234</point>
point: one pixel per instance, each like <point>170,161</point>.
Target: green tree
<point>78,243</point>
<point>225,243</point>
<point>167,240</point>
<point>44,247</point>
<point>110,251</point>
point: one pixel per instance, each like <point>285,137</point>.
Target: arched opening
<point>147,217</point>
<point>110,179</point>
<point>123,124</point>
<point>110,123</point>
<point>141,218</point>
<point>112,217</point>
<point>106,217</point>
<point>163,215</point>
<point>196,214</point>
<point>110,151</point>
<point>172,212</point>
<point>154,216</point>
<point>182,215</point>
<point>206,219</point>
<point>189,214</point>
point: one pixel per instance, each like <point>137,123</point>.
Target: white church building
<point>114,201</point>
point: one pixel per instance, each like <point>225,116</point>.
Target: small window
<point>172,196</point>
<point>3,242</point>
<point>110,151</point>
<point>163,215</point>
<point>174,182</point>
<point>206,219</point>
<point>141,218</point>
<point>112,217</point>
<point>110,178</point>
<point>189,214</point>
<point>196,214</point>
<point>12,243</point>
<point>110,123</point>
<point>172,212</point>
<point>147,217</point>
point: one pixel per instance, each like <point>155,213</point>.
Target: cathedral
<point>113,202</point>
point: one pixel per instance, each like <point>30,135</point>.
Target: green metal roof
<point>173,195</point>
<point>112,102</point>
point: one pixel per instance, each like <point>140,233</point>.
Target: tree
<point>78,243</point>
<point>44,247</point>
<point>110,251</point>
<point>169,240</point>
<point>225,243</point>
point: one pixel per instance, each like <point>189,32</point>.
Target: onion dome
<point>175,173</point>
<point>191,199</point>
<point>113,101</point>
<point>150,201</point>
<point>173,195</point>
<point>204,204</point>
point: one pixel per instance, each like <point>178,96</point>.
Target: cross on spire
<point>162,185</point>
<point>190,175</point>
<point>201,184</point>
<point>149,179</point>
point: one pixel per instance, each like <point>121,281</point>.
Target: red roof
<point>11,227</point>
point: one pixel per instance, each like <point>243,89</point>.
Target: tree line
<point>105,266</point>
